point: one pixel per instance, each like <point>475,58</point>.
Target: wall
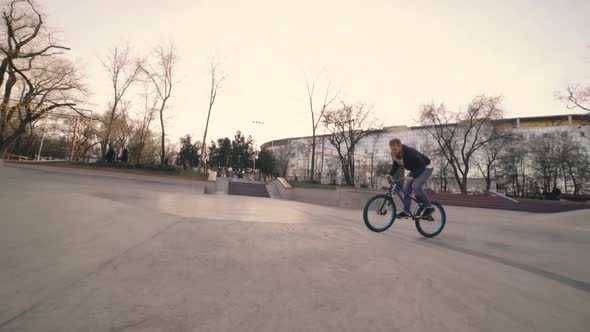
<point>344,198</point>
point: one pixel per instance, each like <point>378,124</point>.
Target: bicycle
<point>383,216</point>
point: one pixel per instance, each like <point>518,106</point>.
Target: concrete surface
<point>343,198</point>
<point>103,253</point>
<point>305,195</point>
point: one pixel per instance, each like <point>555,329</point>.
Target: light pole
<point>255,123</point>
<point>42,140</point>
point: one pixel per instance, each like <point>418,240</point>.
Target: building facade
<point>372,155</point>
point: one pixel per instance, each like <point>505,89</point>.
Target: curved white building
<point>372,156</point>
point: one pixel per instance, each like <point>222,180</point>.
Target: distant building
<point>372,154</point>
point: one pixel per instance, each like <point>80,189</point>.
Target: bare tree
<point>577,97</point>
<point>317,115</point>
<point>145,118</point>
<point>333,169</point>
<point>441,165</point>
<point>321,156</point>
<point>461,134</point>
<point>80,133</point>
<point>544,158</point>
<point>442,172</point>
<point>171,152</point>
<point>121,128</point>
<point>283,154</point>
<point>487,157</point>
<point>161,74</point>
<point>216,81</point>
<point>512,166</point>
<point>124,71</point>
<point>372,156</point>
<point>575,161</point>
<point>347,125</point>
<point>88,141</point>
<point>35,78</point>
<point>125,126</point>
<point>383,167</point>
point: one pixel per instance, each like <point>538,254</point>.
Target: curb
<point>284,183</point>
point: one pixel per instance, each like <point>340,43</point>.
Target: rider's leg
<point>417,187</point>
<point>407,199</point>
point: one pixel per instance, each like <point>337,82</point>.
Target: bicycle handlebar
<point>392,181</point>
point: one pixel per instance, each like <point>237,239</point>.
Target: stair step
<point>477,201</point>
<point>248,189</point>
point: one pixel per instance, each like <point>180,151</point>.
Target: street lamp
<point>255,123</point>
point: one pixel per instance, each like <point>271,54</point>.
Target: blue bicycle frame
<point>397,190</point>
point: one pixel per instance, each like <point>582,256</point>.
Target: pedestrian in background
<point>110,155</point>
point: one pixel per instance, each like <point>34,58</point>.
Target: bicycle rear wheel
<point>432,226</point>
<point>379,213</point>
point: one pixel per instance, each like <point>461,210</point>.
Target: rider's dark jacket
<point>414,161</point>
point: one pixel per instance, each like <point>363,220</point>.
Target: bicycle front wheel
<point>379,213</point>
<point>432,225</point>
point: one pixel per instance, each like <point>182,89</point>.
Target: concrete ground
<point>82,252</point>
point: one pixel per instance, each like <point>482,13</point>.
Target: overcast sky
<point>394,54</point>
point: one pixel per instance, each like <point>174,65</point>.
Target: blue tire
<point>379,213</point>
<point>431,227</point>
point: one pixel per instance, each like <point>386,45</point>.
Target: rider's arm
<point>426,159</point>
<point>418,163</point>
<point>394,168</point>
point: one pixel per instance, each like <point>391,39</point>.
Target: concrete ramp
<point>248,189</point>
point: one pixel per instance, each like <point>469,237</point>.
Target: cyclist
<point>420,169</point>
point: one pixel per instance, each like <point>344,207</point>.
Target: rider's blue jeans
<point>417,187</point>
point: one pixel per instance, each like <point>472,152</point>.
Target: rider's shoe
<point>427,212</point>
<point>402,215</point>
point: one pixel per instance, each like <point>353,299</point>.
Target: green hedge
<point>144,168</point>
<point>149,167</point>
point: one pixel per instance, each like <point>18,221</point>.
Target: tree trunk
<point>574,182</point>
<point>515,185</point>
<point>523,185</point>
<point>564,173</point>
<point>345,168</point>
<point>321,171</point>
<point>372,186</point>
<point>104,146</point>
<point>4,109</point>
<point>458,178</point>
<point>163,150</point>
<point>12,138</point>
<point>352,164</point>
<point>205,137</point>
<point>312,155</point>
<point>139,152</point>
<point>464,183</point>
<point>347,177</point>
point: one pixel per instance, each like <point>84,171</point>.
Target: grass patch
<point>137,169</point>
